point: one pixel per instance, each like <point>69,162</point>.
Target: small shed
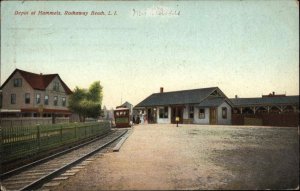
<point>122,117</point>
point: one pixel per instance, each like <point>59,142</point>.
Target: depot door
<point>151,113</point>
<point>213,116</point>
<point>177,112</point>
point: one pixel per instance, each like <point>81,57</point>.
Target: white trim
<point>163,120</point>
<point>9,110</point>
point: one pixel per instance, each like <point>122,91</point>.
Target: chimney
<point>236,96</point>
<point>273,93</point>
<point>161,90</point>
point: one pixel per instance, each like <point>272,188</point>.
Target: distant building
<point>26,94</point>
<point>104,113</point>
<point>111,113</point>
<point>199,106</point>
<point>274,95</point>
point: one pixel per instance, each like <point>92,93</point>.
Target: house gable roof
<point>38,81</point>
<point>265,101</point>
<point>193,96</point>
<point>212,102</point>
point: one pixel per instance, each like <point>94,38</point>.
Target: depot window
<point>201,114</point>
<point>224,112</point>
<point>191,112</point>
<point>163,112</point>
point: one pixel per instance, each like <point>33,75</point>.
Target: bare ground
<point>165,157</point>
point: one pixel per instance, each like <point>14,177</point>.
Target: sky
<point>246,48</point>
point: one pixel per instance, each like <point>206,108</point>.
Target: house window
<point>224,112</point>
<point>17,82</point>
<point>38,98</point>
<point>46,101</point>
<point>13,98</point>
<point>27,98</point>
<point>201,114</point>
<point>55,100</point>
<point>191,112</point>
<point>56,86</point>
<point>163,112</point>
<point>63,101</point>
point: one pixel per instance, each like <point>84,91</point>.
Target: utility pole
<point>0,72</point>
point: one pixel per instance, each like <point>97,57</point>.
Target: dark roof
<point>177,97</point>
<point>126,103</point>
<point>212,102</point>
<point>265,101</point>
<point>121,108</point>
<point>38,81</point>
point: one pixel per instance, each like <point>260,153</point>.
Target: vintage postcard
<point>192,94</point>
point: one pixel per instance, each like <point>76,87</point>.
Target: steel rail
<point>56,172</point>
<point>40,181</point>
<point>24,167</point>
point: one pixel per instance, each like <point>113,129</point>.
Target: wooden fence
<point>267,119</point>
<point>29,121</point>
<point>21,141</point>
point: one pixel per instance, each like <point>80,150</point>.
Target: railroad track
<point>33,176</point>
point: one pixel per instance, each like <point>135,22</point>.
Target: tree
<point>95,92</point>
<point>87,103</point>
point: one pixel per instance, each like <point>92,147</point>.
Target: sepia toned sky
<point>246,48</point>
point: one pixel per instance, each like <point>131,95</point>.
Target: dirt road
<point>166,157</point>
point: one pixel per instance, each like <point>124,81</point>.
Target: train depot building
<point>26,94</point>
<point>199,106</point>
<point>211,106</point>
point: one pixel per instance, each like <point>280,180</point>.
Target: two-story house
<point>26,94</point>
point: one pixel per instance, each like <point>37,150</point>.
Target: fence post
<point>1,149</point>
<point>75,129</point>
<point>38,136</point>
<point>61,138</point>
<point>53,118</point>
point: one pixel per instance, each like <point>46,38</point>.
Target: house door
<point>213,116</point>
<point>177,112</point>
